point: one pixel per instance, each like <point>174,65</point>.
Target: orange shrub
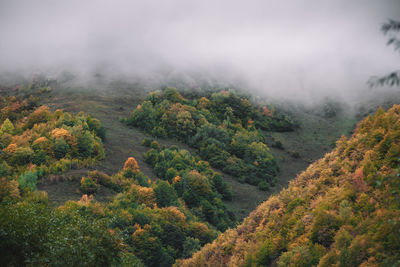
<point>60,133</point>
<point>131,164</point>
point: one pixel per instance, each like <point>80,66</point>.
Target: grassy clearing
<point>66,187</point>
<point>315,137</point>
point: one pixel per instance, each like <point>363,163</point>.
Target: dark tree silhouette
<point>392,29</point>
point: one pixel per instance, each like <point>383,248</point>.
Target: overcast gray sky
<point>295,49</point>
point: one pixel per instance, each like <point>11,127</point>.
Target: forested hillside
<point>342,211</point>
<point>199,133</point>
<point>148,222</point>
<point>225,129</point>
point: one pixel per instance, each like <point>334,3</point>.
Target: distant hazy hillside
<point>342,211</point>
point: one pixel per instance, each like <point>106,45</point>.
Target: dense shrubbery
<point>15,108</point>
<point>156,235</point>
<point>45,142</point>
<point>34,234</point>
<point>342,211</point>
<point>224,129</point>
<point>147,223</point>
<point>154,218</point>
<point>195,182</point>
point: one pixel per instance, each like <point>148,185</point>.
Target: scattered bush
<point>28,180</point>
<point>278,144</point>
<point>294,154</point>
<point>264,186</point>
<point>88,186</point>
<point>147,141</point>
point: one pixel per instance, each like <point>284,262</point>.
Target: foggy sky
<point>297,49</point>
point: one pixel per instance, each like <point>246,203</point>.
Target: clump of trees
<point>342,211</point>
<point>13,108</point>
<point>156,222</point>
<point>193,180</point>
<point>35,234</point>
<point>225,129</point>
<point>35,141</point>
<point>88,185</point>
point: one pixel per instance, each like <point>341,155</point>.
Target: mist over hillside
<point>199,133</point>
<point>303,50</point>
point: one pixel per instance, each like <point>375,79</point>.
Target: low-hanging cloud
<point>293,49</point>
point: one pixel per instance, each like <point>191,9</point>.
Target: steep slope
<point>342,211</point>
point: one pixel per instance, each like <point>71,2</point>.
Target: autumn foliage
<point>342,211</point>
<point>225,129</point>
<point>131,164</point>
<point>36,142</point>
<point>193,180</point>
<point>48,142</point>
